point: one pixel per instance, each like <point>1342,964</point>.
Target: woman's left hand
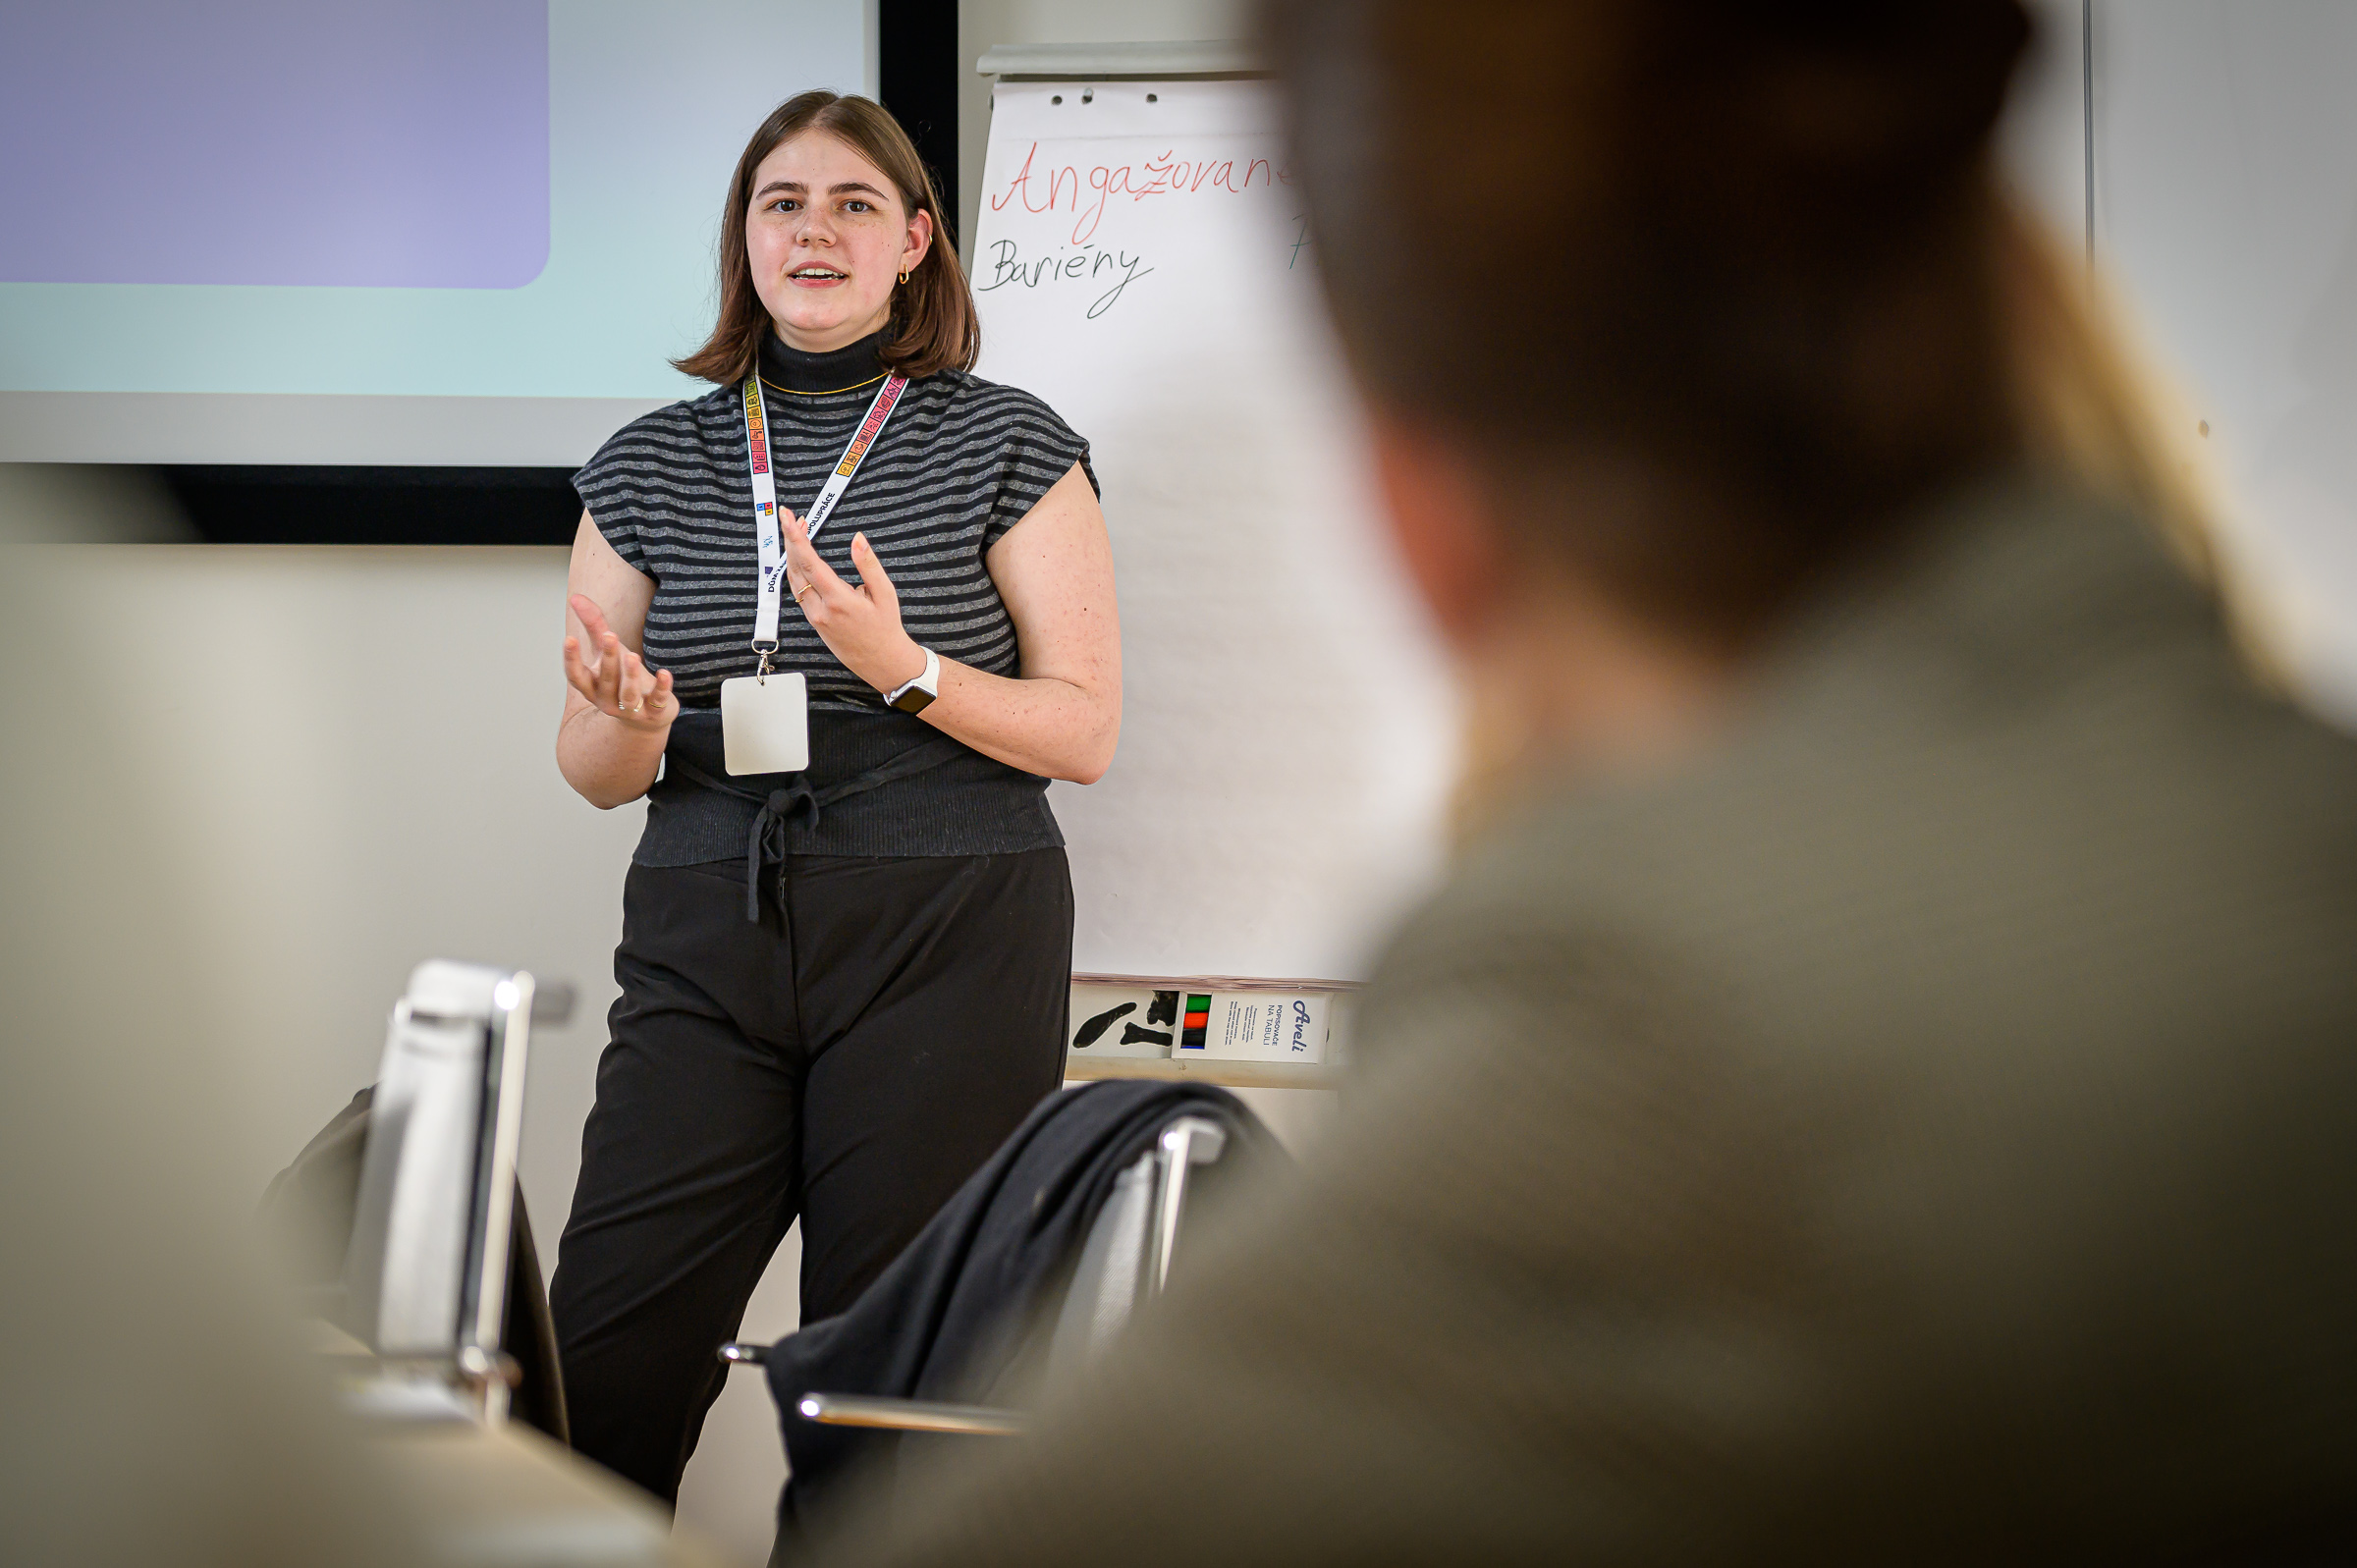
<point>860,626</point>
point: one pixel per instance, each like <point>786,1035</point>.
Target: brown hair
<point>1748,255</point>
<point>933,324</point>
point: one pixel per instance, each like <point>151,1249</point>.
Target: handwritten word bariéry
<point>1044,189</point>
<point>1088,264</point>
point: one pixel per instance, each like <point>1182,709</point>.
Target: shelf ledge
<point>1227,1074</point>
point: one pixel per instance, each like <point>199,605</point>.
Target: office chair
<point>425,1274</point>
<point>1125,1260</point>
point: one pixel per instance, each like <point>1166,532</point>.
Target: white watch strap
<point>928,680</point>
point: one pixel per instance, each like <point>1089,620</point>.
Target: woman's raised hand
<point>610,677</point>
<point>860,626</point>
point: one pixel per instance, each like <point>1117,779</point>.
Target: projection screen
<point>317,232</point>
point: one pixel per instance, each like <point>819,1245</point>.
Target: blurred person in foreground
<point>1882,1079</point>
<point>154,1403</point>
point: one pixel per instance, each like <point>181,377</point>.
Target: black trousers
<point>850,1060</point>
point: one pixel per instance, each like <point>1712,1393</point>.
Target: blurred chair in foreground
<point>388,1219</point>
<point>1878,1084</point>
<point>416,1329</point>
<point>1028,1275</point>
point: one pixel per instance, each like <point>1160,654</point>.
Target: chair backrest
<point>429,1264</point>
<point>1126,1255</point>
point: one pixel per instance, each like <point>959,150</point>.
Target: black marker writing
<point>1085,264</point>
<point>1089,1031</point>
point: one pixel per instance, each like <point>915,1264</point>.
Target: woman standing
<point>842,985</point>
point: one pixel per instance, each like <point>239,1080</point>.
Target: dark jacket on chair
<point>943,1322</point>
<point>1923,1129</point>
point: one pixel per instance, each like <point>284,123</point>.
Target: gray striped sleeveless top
<point>961,461</point>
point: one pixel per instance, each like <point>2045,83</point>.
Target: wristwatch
<point>918,694</point>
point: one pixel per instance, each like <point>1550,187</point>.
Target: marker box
<point>1202,1020</point>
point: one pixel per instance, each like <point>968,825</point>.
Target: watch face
<point>917,699</point>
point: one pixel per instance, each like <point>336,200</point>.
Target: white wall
<point>2227,207</point>
<point>2224,149</point>
<point>2043,139</point>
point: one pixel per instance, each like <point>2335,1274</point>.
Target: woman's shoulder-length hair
<point>933,327</point>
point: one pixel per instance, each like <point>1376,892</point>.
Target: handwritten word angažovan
<point>1164,175</point>
<point>1086,264</point>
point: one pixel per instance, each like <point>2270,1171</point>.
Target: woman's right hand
<point>612,679</point>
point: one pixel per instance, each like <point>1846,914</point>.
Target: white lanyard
<point>771,543</point>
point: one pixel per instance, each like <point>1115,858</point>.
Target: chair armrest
<point>887,1415</point>
<point>911,1415</point>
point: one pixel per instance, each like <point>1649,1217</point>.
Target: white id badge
<point>765,725</point>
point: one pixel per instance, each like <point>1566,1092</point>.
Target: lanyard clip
<point>762,675</point>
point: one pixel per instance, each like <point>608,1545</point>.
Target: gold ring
<point>803,589</point>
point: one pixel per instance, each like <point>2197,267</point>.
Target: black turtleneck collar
<point>790,369</point>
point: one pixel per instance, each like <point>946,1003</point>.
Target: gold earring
<point>903,280</point>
